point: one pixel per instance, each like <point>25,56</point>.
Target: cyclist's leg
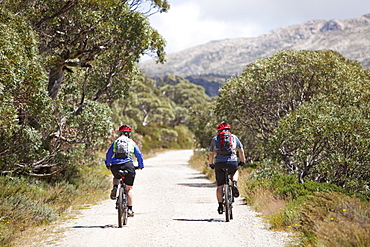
<point>219,192</point>
<point>129,200</point>
<point>129,181</point>
<point>233,168</point>
<point>129,195</point>
<point>115,181</point>
<point>116,178</point>
<point>220,179</point>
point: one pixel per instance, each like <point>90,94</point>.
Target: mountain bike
<point>121,203</point>
<point>228,197</point>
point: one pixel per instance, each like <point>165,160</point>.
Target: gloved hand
<point>241,163</point>
<point>212,166</point>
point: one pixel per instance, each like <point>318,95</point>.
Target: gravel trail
<point>174,205</point>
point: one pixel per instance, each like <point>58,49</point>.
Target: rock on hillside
<point>225,58</point>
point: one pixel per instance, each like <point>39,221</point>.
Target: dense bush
<point>328,143</point>
<point>307,110</point>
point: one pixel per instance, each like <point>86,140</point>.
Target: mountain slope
<point>225,58</point>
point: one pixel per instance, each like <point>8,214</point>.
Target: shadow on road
<point>106,226</point>
<point>198,185</point>
<point>199,177</point>
<point>207,220</point>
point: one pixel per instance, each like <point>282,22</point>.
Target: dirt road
<point>174,206</point>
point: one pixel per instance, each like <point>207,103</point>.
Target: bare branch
<point>68,5</point>
<point>44,175</point>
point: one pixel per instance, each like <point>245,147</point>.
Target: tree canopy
<point>61,62</point>
<point>309,109</point>
<point>106,38</point>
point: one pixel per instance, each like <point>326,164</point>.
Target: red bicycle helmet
<point>125,128</point>
<point>223,126</point>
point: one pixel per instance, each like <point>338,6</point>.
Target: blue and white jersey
<point>133,149</point>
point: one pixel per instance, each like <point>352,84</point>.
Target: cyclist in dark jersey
<point>218,161</point>
<point>115,164</point>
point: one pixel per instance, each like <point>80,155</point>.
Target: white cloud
<point>193,22</point>
<point>185,25</point>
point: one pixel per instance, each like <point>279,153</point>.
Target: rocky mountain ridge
<point>225,58</point>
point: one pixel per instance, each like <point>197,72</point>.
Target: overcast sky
<point>193,22</point>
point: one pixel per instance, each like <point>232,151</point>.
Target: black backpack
<point>226,143</point>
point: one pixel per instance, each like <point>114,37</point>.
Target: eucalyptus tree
<point>25,109</point>
<point>203,122</point>
<point>144,105</point>
<point>273,90</point>
<point>186,95</point>
<point>182,91</point>
<point>327,142</point>
<point>75,33</point>
<point>84,54</point>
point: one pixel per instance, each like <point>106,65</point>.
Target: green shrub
<point>22,205</point>
<point>25,201</point>
<point>292,191</point>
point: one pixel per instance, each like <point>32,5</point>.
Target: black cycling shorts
<point>220,174</point>
<point>129,166</point>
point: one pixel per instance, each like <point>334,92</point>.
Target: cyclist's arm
<point>211,157</point>
<point>240,149</point>
<point>241,155</point>
<point>109,155</point>
<point>139,157</point>
<point>212,152</point>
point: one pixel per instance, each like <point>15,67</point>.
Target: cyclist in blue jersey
<point>122,160</point>
<point>219,160</point>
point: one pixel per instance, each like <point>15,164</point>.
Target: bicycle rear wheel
<point>227,195</point>
<point>122,208</point>
<point>231,199</point>
<point>125,209</point>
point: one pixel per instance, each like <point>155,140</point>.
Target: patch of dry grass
<point>336,220</point>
